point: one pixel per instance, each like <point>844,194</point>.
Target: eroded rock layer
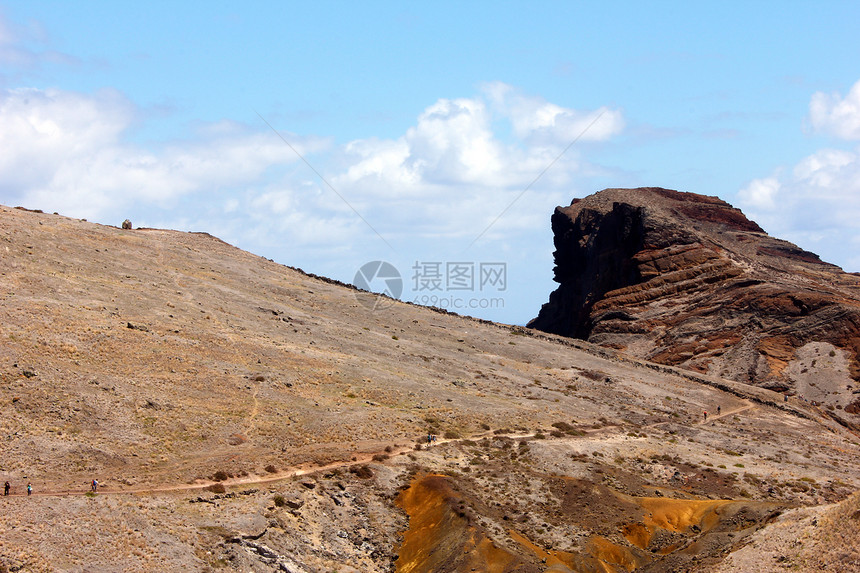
<point>688,280</point>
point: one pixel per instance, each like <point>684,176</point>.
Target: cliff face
<point>688,280</point>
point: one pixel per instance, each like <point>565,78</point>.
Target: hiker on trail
<point>706,415</point>
<point>718,410</point>
<point>95,485</point>
<point>429,439</point>
<point>29,489</point>
<point>6,487</point>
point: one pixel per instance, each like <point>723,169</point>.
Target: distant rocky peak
<point>688,280</point>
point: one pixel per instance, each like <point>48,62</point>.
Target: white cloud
<point>435,187</point>
<point>453,172</point>
<point>540,122</point>
<point>825,170</point>
<point>816,203</point>
<point>451,144</point>
<point>821,192</point>
<point>66,152</point>
<point>760,193</point>
<point>835,115</point>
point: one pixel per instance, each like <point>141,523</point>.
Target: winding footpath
<point>355,460</point>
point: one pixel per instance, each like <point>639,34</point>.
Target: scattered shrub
<point>279,501</point>
<point>362,472</point>
<point>217,488</point>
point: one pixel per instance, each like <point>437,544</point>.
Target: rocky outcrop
<point>688,280</point>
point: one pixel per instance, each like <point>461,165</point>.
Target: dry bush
<point>217,488</point>
<point>592,375</point>
<point>362,472</point>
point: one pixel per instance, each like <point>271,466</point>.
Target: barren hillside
<point>242,415</point>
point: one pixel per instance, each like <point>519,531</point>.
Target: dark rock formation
<point>688,280</point>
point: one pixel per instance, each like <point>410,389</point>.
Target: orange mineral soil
<point>441,537</point>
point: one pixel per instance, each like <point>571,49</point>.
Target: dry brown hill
<point>242,415</point>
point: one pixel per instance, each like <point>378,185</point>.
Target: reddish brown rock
<point>688,280</point>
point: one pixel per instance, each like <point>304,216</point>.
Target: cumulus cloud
<point>453,172</point>
<point>540,122</point>
<point>66,152</point>
<point>821,192</point>
<point>834,115</point>
<point>816,202</point>
<point>451,143</point>
<point>449,175</point>
<point>760,193</point>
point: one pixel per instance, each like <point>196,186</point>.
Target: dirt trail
<point>298,471</point>
<point>254,479</point>
<point>721,415</point>
<point>355,460</point>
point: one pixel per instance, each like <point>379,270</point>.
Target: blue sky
<point>425,125</point>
